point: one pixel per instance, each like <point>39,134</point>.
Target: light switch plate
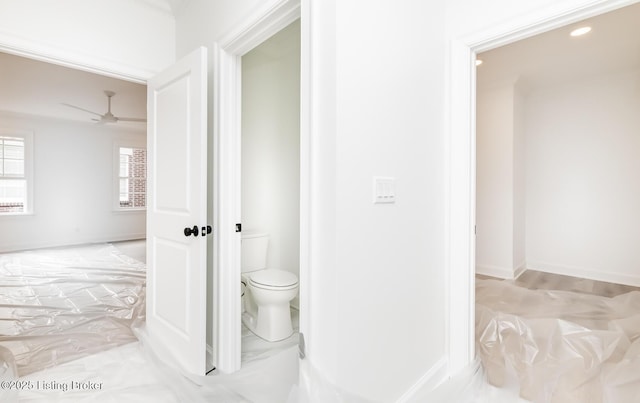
<point>384,189</point>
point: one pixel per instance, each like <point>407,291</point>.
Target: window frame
<point>27,137</point>
<point>116,175</point>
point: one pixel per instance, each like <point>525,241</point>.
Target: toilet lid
<point>274,278</point>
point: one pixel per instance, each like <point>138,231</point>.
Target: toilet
<point>266,293</point>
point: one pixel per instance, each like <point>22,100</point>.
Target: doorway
<point>555,134</point>
<point>72,192</point>
<point>225,152</point>
<point>71,164</point>
<point>224,197</point>
<point>270,169</point>
<point>461,168</point>
<point>556,152</point>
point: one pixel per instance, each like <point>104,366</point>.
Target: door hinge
<point>301,346</point>
<point>239,227</point>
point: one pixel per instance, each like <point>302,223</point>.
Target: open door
<point>177,211</point>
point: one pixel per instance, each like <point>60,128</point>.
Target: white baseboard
<point>427,382</point>
<point>522,267</point>
<point>586,273</point>
<point>501,272</point>
<point>21,246</point>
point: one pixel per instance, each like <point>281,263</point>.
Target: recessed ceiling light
<point>580,31</point>
<point>478,62</point>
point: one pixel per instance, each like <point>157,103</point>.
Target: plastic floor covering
<point>559,346</point>
<point>72,330</point>
<point>63,304</point>
<point>69,332</point>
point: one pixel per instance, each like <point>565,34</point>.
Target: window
<point>15,164</point>
<point>132,178</point>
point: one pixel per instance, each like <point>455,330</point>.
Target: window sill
<point>29,214</point>
<point>130,210</point>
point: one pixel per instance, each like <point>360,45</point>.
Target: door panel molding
<point>177,264</point>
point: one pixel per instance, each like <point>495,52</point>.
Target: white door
<point>177,211</point>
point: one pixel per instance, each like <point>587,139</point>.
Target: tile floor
<point>253,347</point>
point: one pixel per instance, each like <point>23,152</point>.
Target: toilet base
<point>272,323</point>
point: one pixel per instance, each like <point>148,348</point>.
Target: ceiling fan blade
<point>82,109</point>
<point>132,119</point>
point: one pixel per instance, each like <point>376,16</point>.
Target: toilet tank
<point>254,251</point>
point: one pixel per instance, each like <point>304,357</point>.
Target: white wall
<point>381,265</point>
<point>127,39</point>
<point>377,289</point>
<point>494,181</point>
<point>583,192</point>
<point>271,145</point>
<point>377,281</point>
<point>388,75</point>
<point>203,22</point>
<point>519,183</point>
<point>135,39</point>
<point>73,186</point>
<point>469,16</point>
<point>578,171</point>
<point>500,181</point>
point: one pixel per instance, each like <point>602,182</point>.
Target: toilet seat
<point>273,279</point>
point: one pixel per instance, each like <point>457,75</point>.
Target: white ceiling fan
<point>107,117</point>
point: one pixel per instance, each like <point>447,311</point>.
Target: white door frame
<point>36,51</point>
<point>227,97</point>
<point>461,167</point>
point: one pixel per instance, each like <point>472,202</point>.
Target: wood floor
<point>537,280</point>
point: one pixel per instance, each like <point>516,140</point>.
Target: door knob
<point>191,231</point>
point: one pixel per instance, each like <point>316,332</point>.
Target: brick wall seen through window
<point>133,178</point>
<point>13,182</point>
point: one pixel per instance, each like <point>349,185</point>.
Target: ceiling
<point>37,88</point>
<point>554,57</point>
<point>174,7</point>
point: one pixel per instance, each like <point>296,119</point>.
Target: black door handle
<point>191,231</point>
